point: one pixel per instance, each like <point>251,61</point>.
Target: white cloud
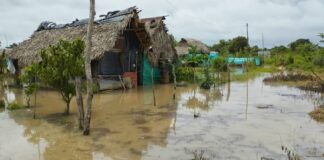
<point>281,21</point>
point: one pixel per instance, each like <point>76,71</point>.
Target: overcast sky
<point>281,21</point>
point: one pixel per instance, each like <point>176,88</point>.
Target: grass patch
<point>15,106</point>
<point>318,114</point>
<point>290,77</point>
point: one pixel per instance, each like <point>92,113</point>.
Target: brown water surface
<point>245,121</point>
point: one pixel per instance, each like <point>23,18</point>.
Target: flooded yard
<point>241,120</point>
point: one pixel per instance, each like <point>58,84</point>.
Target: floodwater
<point>241,120</point>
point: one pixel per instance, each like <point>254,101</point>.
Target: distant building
<point>264,53</point>
<point>185,44</point>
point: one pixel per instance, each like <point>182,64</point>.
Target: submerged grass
<point>301,80</point>
<point>318,114</point>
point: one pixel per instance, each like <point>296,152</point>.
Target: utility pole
<point>262,42</point>
<point>247,32</point>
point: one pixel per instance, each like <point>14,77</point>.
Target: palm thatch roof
<point>160,40</point>
<point>185,44</point>
<point>104,38</point>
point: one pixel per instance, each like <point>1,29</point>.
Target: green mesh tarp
<point>147,72</point>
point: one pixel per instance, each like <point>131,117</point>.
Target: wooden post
<point>247,92</point>
<point>174,82</point>
<point>228,83</point>
<point>153,90</point>
<point>34,116</point>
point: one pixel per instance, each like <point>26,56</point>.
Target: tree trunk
<point>79,100</point>
<point>87,118</point>
<point>67,110</point>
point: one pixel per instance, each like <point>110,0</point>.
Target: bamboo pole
<point>228,83</point>
<point>153,90</point>
<point>247,91</point>
<point>174,82</point>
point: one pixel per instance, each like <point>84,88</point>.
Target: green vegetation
<point>299,55</point>
<point>15,106</point>
<point>60,64</point>
<point>220,64</point>
<point>191,66</point>
<point>237,46</point>
<point>2,104</point>
<point>29,79</point>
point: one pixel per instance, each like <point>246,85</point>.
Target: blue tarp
<point>213,55</point>
<point>240,61</point>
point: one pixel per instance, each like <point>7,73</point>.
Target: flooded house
<point>121,41</point>
<point>185,44</point>
<point>162,51</point>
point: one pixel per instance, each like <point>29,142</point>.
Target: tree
<point>238,44</point>
<point>221,46</point>
<point>60,64</point>
<point>12,45</point>
<point>293,45</point>
<point>87,118</point>
<point>322,37</point>
<point>254,50</point>
<point>28,78</point>
<point>307,51</point>
<point>279,49</point>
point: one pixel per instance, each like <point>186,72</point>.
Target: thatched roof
<point>160,39</point>
<point>185,44</point>
<point>104,38</point>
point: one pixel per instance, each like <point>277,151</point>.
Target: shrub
<point>220,64</point>
<point>184,74</point>
<point>14,106</point>
<point>2,104</point>
<point>319,61</point>
<point>290,60</point>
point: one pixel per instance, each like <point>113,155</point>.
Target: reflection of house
<point>185,44</point>
<point>120,40</point>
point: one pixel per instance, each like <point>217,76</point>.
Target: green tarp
<point>147,72</point>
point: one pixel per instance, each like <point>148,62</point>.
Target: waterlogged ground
<point>239,120</point>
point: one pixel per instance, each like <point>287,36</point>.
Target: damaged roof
<point>105,34</point>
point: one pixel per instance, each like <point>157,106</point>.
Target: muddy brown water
<point>125,125</point>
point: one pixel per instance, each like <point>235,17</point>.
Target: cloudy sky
<point>281,21</point>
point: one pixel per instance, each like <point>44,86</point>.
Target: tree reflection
<point>202,100</point>
<point>123,130</point>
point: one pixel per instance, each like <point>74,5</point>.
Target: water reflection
<point>198,99</point>
<point>126,125</point>
<point>123,125</point>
